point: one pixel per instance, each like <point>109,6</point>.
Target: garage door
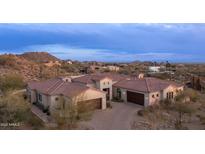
<point>136,98</point>
<point>90,104</point>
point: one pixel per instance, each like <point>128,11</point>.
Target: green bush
<point>15,109</point>
<point>10,82</point>
<point>194,96</point>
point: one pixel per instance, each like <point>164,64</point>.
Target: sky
<point>108,42</point>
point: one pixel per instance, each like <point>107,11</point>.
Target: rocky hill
<point>39,57</point>
<point>28,65</point>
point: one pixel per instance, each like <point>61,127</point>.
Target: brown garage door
<point>90,104</point>
<point>134,97</point>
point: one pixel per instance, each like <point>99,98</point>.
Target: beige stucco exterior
<point>102,84</point>
<point>152,97</point>
<point>52,101</point>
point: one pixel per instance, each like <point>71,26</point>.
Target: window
<point>39,97</point>
<point>152,96</point>
<point>56,98</point>
<point>108,82</point>
<point>118,93</point>
<point>157,95</point>
<point>170,95</point>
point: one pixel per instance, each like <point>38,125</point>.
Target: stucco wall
<point>106,83</point>
<point>91,94</point>
<point>148,97</point>
<point>171,89</point>
<point>32,95</point>
<point>154,97</point>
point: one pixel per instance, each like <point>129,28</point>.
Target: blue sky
<point>108,42</point>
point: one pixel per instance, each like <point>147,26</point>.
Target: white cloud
<point>83,54</point>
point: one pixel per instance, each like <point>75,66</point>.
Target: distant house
<point>52,63</point>
<point>154,68</point>
<point>113,68</point>
<point>48,94</point>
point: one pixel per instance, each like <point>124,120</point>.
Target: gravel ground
<point>119,117</point>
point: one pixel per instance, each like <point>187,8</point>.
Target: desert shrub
<point>10,82</point>
<point>15,109</point>
<point>7,60</point>
<point>165,103</point>
<point>141,113</point>
<point>116,99</point>
<point>194,96</point>
<point>182,109</point>
<point>109,105</point>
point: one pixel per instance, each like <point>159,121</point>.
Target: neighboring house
<point>112,68</point>
<point>198,83</point>
<point>52,63</point>
<point>49,93</point>
<point>145,91</point>
<point>154,68</point>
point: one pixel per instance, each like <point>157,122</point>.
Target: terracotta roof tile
<point>57,86</point>
<point>145,85</point>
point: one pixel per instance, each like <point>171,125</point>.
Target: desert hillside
<point>39,56</point>
<point>27,65</point>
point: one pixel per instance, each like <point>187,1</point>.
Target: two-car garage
<point>134,97</point>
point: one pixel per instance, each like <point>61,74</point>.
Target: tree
<point>181,109</point>
<point>70,111</point>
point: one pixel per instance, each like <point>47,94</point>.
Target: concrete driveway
<point>119,117</point>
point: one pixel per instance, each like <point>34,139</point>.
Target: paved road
<point>119,117</point>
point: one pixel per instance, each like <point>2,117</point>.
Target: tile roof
<point>57,87</point>
<point>145,85</point>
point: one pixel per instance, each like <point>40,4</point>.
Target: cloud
<point>108,42</point>
<point>85,54</point>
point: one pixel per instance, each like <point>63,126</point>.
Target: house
<point>47,94</point>
<point>96,89</point>
<point>145,91</point>
<point>52,63</point>
<point>154,68</point>
<point>113,68</point>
